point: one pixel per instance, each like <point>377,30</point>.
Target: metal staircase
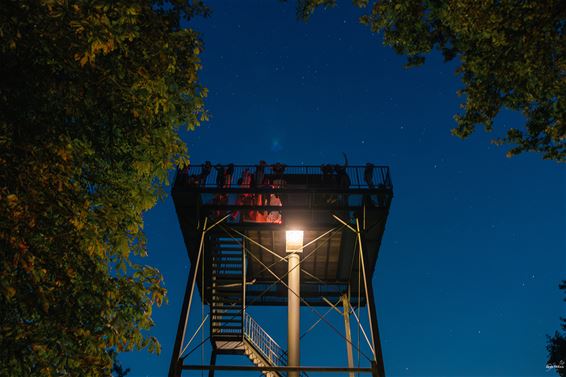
<point>232,329</point>
<point>227,320</point>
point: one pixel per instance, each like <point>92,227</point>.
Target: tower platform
<point>301,197</point>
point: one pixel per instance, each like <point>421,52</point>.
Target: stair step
<point>227,268</point>
<point>232,282</point>
<point>227,240</point>
<point>232,274</point>
<point>220,295</point>
<point>227,327</point>
<point>220,321</point>
<point>227,261</point>
<point>226,292</point>
<point>228,278</point>
<point>228,300</point>
<point>235,281</point>
<point>220,311</point>
<point>227,319</point>
<point>227,258</point>
<point>227,311</point>
<point>222,245</point>
<point>222,266</point>
<point>227,297</point>
<point>228,285</point>
<point>232,296</point>
<point>226,305</point>
<point>231,269</point>
<point>220,315</point>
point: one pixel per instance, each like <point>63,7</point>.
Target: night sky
<point>474,249</point>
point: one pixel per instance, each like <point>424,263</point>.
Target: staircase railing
<point>265,345</point>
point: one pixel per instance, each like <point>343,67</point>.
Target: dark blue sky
<point>475,246</point>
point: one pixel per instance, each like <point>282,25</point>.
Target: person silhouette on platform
<point>368,174</point>
<point>219,175</point>
<point>206,169</point>
<point>343,179</point>
<point>342,174</point>
<point>278,170</point>
<point>228,176</point>
<point>259,175</point>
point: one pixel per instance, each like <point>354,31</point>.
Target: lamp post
<point>294,248</point>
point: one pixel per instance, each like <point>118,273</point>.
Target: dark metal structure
<point>234,221</point>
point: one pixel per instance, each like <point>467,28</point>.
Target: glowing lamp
<point>294,240</point>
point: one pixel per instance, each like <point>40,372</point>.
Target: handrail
<point>247,176</point>
<point>268,348</point>
<point>264,343</point>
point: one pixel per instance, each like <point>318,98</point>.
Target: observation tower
<point>278,235</point>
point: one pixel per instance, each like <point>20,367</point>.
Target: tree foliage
<point>92,97</point>
<point>556,345</point>
<point>511,54</point>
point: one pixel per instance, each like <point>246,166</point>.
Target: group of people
<point>331,175</point>
<point>265,176</point>
<point>225,173</point>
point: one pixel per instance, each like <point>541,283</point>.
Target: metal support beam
<point>212,364</point>
<point>175,367</point>
<point>378,368</point>
<point>346,305</point>
<point>294,246</point>
<point>268,368</point>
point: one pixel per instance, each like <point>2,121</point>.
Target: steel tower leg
<point>175,366</point>
<point>346,306</point>
<point>212,363</point>
<point>378,368</point>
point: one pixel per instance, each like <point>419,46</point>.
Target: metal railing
<point>249,176</point>
<point>263,343</point>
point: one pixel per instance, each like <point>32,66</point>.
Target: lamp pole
<point>294,248</point>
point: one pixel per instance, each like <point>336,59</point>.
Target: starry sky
<point>475,246</point>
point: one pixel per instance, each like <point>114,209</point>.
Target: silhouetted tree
<point>92,97</point>
<point>556,345</point>
<point>511,54</point>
